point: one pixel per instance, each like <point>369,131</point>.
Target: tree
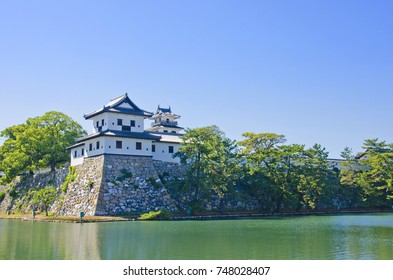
<point>38,143</point>
<point>45,197</point>
<point>318,184</point>
<point>211,162</point>
<point>371,178</point>
<point>271,167</point>
<point>350,192</point>
<point>376,176</point>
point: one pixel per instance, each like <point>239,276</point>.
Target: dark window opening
<point>102,123</point>
<point>138,145</point>
<point>98,145</point>
<point>170,149</point>
<point>98,124</point>
<point>173,131</point>
<point>75,154</point>
<point>165,130</point>
<point>119,144</point>
<point>132,123</point>
<point>153,148</point>
<point>119,122</point>
<point>83,152</point>
<point>126,128</point>
<point>90,147</point>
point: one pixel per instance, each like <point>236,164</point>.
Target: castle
<point>118,129</point>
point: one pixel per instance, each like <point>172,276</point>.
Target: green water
<point>311,237</point>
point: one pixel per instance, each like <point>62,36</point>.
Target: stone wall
<point>82,194</point>
<point>22,202</point>
<point>117,185</point>
<point>131,184</point>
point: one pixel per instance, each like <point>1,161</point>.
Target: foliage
<point>90,184</point>
<point>371,178</point>
<point>2,196</point>
<point>153,182</point>
<point>71,176</point>
<point>125,175</point>
<point>38,143</point>
<point>212,163</point>
<point>286,175</point>
<point>45,197</point>
<point>156,215</point>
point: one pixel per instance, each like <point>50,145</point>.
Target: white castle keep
<point>118,129</point>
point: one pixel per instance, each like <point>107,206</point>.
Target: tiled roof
<point>114,107</point>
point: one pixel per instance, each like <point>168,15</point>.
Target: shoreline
<point>184,217</point>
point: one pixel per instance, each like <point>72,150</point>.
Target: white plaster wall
<point>94,151</point>
<point>99,118</point>
<point>79,158</point>
<point>112,122</point>
<point>162,152</point>
<point>128,146</point>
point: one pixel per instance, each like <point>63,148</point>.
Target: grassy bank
<point>64,219</point>
<point>196,216</point>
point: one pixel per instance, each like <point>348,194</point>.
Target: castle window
<point>119,144</point>
<point>132,123</point>
<point>97,145</point>
<point>90,147</point>
<point>165,130</point>
<point>97,124</point>
<point>153,148</point>
<point>75,154</point>
<point>126,128</point>
<point>138,146</point>
<point>119,122</point>
<point>173,131</point>
<point>83,152</point>
<point>102,122</point>
<point>170,149</point>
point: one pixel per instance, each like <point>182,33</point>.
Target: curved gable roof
<point>115,106</point>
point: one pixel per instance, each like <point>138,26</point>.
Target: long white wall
<point>162,151</point>
<point>110,122</point>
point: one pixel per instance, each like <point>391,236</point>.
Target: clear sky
<point>315,71</point>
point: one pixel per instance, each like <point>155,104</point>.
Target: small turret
<point>164,121</point>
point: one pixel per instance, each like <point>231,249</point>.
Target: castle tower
<point>164,121</point>
<point>118,129</point>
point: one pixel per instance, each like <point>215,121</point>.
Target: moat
<point>361,236</point>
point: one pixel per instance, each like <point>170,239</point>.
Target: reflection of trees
<point>48,241</point>
<point>318,237</point>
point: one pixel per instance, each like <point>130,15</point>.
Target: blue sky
<point>315,71</point>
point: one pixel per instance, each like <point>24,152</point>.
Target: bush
<point>125,174</point>
<point>70,178</point>
<point>13,193</point>
<point>153,182</point>
<point>2,196</point>
<point>156,215</point>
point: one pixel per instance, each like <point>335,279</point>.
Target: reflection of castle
<point>119,129</point>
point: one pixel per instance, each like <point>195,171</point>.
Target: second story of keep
<point>120,114</point>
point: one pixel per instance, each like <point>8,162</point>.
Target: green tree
<point>45,197</point>
<point>376,175</point>
<point>38,143</point>
<point>271,167</point>
<point>211,162</point>
<point>350,193</point>
<point>318,185</point>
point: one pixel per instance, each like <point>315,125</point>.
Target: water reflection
<point>322,237</point>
